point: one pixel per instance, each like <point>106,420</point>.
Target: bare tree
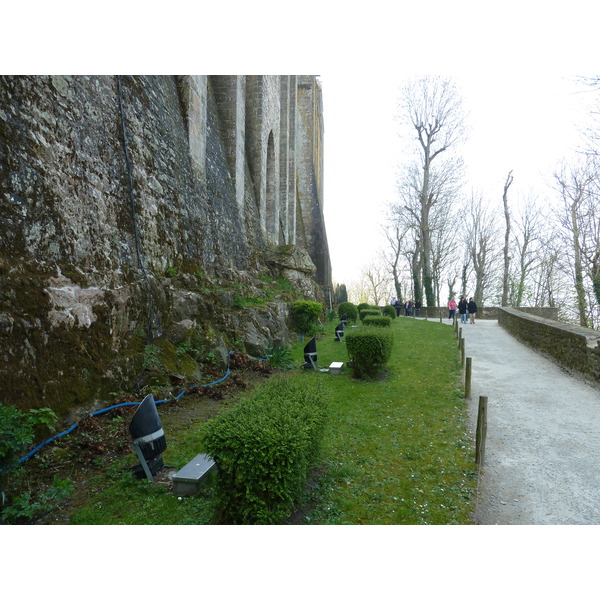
<point>481,238</point>
<point>545,276</point>
<point>433,109</point>
<point>377,282</point>
<point>507,183</point>
<point>395,232</point>
<point>527,249</point>
<point>574,182</point>
<point>445,227</point>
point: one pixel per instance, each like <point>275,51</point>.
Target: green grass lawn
<point>396,450</point>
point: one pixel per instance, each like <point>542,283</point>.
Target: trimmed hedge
<point>389,311</point>
<point>264,449</point>
<point>305,315</point>
<point>377,321</point>
<point>369,349</point>
<point>349,309</point>
<point>369,312</point>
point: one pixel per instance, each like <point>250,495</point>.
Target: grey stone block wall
<point>76,277</point>
<point>576,348</point>
<point>490,312</point>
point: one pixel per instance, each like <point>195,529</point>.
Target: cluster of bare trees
<point>530,252</point>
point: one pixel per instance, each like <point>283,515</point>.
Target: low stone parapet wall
<point>489,312</point>
<point>576,348</point>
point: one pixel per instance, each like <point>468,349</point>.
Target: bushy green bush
<point>305,315</point>
<point>363,306</point>
<point>369,312</point>
<point>264,448</point>
<point>18,429</point>
<point>348,309</point>
<point>377,321</point>
<point>280,357</point>
<point>369,349</point>
<point>389,311</point>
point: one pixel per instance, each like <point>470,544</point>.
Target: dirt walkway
<point>543,437</point>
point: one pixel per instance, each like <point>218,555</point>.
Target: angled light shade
<point>339,331</point>
<point>148,438</point>
<point>310,354</point>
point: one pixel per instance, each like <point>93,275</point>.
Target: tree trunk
<point>509,180</point>
<point>416,274</point>
<point>579,286</point>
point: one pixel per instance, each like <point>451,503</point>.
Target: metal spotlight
<point>148,438</point>
<point>310,354</point>
<point>339,331</point>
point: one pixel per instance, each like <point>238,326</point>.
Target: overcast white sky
<point>521,121</point>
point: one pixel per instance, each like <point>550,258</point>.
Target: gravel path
<point>543,435</point>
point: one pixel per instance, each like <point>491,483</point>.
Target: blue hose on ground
<point>109,408</point>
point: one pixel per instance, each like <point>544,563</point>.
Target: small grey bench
<point>189,479</point>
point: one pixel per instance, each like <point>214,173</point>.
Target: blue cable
<point>109,408</point>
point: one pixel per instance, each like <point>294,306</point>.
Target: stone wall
<point>491,312</point>
<point>131,204</point>
<point>576,348</point>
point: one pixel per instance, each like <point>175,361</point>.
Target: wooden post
<point>459,333</point>
<point>461,345</point>
<point>440,311</point>
<point>468,377</point>
<point>481,431</point>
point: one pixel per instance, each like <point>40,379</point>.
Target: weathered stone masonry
<point>227,187</point>
<point>574,347</point>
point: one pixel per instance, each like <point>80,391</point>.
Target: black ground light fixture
<point>339,331</point>
<point>310,354</point>
<point>148,438</point>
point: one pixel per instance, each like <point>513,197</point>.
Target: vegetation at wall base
<point>395,450</point>
<point>305,316</point>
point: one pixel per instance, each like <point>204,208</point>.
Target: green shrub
<point>389,311</point>
<point>18,429</point>
<point>377,321</point>
<point>369,349</point>
<point>264,448</point>
<point>280,357</point>
<point>349,309</point>
<point>369,312</point>
<point>363,306</point>
<point>305,315</point>
<point>25,506</point>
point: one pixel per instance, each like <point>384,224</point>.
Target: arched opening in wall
<point>271,212</point>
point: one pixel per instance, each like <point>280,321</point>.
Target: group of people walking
<point>466,309</point>
<point>408,307</point>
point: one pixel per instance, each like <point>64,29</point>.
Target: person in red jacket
<point>451,309</point>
